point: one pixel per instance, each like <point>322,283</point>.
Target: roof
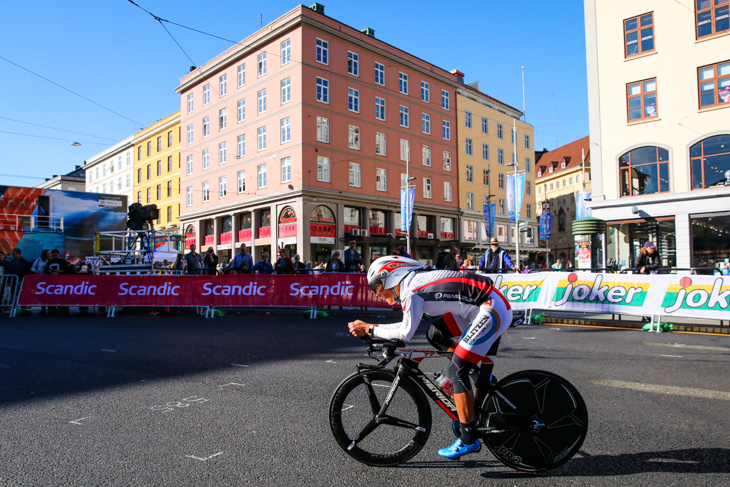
<point>471,88</point>
<point>569,153</point>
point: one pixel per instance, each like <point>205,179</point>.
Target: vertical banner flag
<point>541,226</point>
<point>487,220</point>
<point>548,222</point>
<point>407,197</point>
<point>581,205</point>
<point>493,211</point>
<point>515,193</point>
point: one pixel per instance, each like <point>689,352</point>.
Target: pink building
<point>301,136</point>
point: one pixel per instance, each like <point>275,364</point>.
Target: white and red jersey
<point>457,296</point>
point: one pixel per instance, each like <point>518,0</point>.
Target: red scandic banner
<point>185,291</point>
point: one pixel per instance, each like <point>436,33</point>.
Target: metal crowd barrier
<point>9,292</point>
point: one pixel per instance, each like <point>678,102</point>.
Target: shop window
<point>710,161</point>
<point>644,170</point>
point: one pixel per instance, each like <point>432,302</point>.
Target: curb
<point>637,325</point>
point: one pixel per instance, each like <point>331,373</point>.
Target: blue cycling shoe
<point>459,449</point>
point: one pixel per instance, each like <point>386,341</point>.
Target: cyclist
<point>473,316</point>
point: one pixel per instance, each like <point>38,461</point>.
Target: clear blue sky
<point>118,56</point>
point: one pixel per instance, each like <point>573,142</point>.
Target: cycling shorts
<point>493,319</point>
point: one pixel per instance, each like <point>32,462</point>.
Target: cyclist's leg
<point>443,332</point>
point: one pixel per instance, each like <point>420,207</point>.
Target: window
<point>261,64</point>
<point>241,75</point>
<point>159,168</point>
<point>190,164</point>
<point>427,188</point>
<point>206,158</point>
<point>710,161</point>
<point>469,200</point>
<point>206,126</point>
<point>323,90</point>
<point>129,158</point>
<point>149,147</point>
<point>322,51</point>
<point>469,173</point>
<point>261,176</point>
<point>222,85</point>
<point>355,174</point>
<point>485,177</point>
<point>139,150</point>
<point>528,186</point>
<point>119,184</point>
<point>500,131</point>
<point>241,181</point>
<point>469,146</point>
<point>149,172</point>
<point>641,100</point>
<point>286,169</point>
<point>285,52</point>
<point>485,151</point>
<point>261,138</point>
<point>500,156</point>
<point>379,108</point>
<point>222,153</point>
<point>485,125</point>
<point>712,17</point>
<point>714,85</point>
<point>379,74</point>
<point>527,141</point>
<point>222,117</point>
<point>169,144</point>
<point>426,153</point>
<point>448,195</point>
<point>323,130</point>
<point>446,129</point>
<point>353,137</point>
<point>501,206</point>
<point>241,145</point>
<point>139,193</point>
<point>500,180</point>
<point>285,90</point>
<point>528,210</point>
<point>285,130</point>
<point>139,175</point>
<point>403,116</point>
<point>206,192</point>
<point>190,103</point>
<point>425,123</point>
<point>241,110</point>
<point>425,92</point>
<point>403,83</point>
<point>323,169</point>
<point>380,145</point>
<point>261,97</point>
<point>444,99</point>
<point>405,150</point>
<point>353,100</point>
<point>638,35</point>
<point>169,214</point>
<point>447,160</point>
<point>353,63</point>
<point>189,196</point>
<point>644,170</point>
<point>381,179</point>
<point>222,187</point>
<point>128,180</point>
<point>206,94</point>
<point>467,120</point>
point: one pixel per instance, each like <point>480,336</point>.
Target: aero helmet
<point>390,270</point>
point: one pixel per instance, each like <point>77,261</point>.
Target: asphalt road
<point>242,400</point>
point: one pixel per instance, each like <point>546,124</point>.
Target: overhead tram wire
<point>70,91</point>
<point>55,128</point>
<point>50,138</point>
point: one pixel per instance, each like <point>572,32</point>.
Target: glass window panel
<point>722,20</point>
<point>625,188</point>
<point>634,89</point>
<point>649,85</point>
<point>707,73</point>
<point>719,144</point>
<point>644,179</point>
<point>696,150</point>
<point>643,155</point>
<point>631,24</point>
<point>635,102</point>
<point>663,155</point>
<point>703,4</point>
<point>664,177</point>
<point>646,20</point>
<point>634,113</point>
<point>623,160</point>
<point>696,173</point>
<point>723,69</point>
<point>715,168</point>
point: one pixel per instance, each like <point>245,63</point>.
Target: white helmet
<point>390,270</point>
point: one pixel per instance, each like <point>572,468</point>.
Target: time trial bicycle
<point>531,420</point>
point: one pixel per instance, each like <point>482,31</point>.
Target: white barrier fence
<point>9,292</point>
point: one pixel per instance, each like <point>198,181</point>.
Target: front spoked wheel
<point>388,440</point>
<point>534,420</point>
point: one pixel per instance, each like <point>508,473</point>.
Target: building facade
<point>486,154</point>
<point>302,136</point>
<point>157,170</point>
<point>659,105</point>
<point>560,175</point>
<point>73,181</point>
<point>110,171</point>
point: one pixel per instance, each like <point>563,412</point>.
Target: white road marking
<point>108,350</point>
<point>693,347</point>
<point>78,421</point>
<point>676,356</point>
<point>239,365</point>
<point>206,458</point>
<point>331,361</point>
<point>528,338</point>
<point>662,389</point>
<point>232,384</point>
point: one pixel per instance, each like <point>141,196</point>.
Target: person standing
<point>193,261</point>
<point>496,259</point>
<point>57,265</point>
<point>449,261</point>
<point>18,266</point>
<point>210,262</point>
<point>299,267</point>
<point>284,265</point>
<point>263,266</point>
<point>648,260</point>
<point>402,252</point>
<point>352,258</point>
<point>39,265</point>
<point>335,264</point>
<point>242,263</point>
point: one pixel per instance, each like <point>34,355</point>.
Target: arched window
<point>710,162</point>
<point>644,170</point>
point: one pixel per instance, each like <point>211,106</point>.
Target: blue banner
<point>488,220</point>
<point>407,197</point>
<point>515,194</point>
<point>541,226</point>
<point>548,222</point>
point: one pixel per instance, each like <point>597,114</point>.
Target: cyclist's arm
<point>412,312</point>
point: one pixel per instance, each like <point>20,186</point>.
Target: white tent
<point>165,252</point>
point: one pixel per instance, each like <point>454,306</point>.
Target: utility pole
<point>408,203</point>
<point>517,217</point>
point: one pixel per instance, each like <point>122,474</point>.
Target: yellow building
<point>561,175</point>
<point>157,169</point>
<point>486,150</point>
